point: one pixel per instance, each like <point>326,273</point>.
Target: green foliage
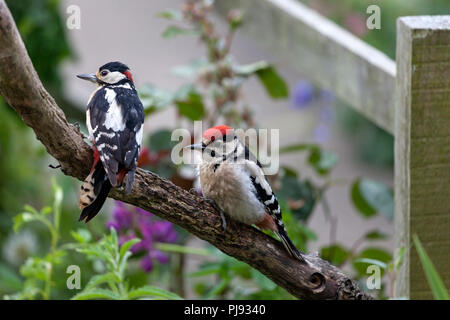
<point>434,280</point>
<point>38,271</point>
<point>371,197</point>
<point>112,284</point>
<point>43,32</point>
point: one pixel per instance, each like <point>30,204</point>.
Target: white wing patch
<point>113,118</point>
<point>258,173</point>
<point>139,135</point>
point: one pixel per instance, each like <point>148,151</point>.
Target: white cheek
<point>113,77</point>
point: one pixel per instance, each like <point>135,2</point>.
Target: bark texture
<point>21,88</point>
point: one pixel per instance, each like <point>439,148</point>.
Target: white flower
<point>18,247</point>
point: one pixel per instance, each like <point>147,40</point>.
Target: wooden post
<point>422,149</point>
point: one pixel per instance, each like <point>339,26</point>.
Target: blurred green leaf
<point>371,197</point>
<point>190,103</point>
<point>171,14</point>
<point>335,254</point>
<point>24,217</point>
<point>161,140</point>
<point>190,70</point>
<point>371,253</point>
<point>154,99</point>
<point>262,280</point>
<point>323,161</point>
<point>100,279</point>
<point>294,190</point>
<point>368,261</point>
<point>170,247</point>
<point>434,280</point>
<point>174,31</point>
<point>298,147</point>
<point>81,235</point>
<point>375,235</point>
<point>206,270</point>
<point>97,294</point>
<point>251,69</point>
<point>9,280</point>
<point>152,291</point>
<point>274,84</point>
<point>127,246</point>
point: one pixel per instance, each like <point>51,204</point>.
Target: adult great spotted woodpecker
<point>114,118</point>
<point>232,177</point>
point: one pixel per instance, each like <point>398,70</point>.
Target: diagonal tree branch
<point>21,88</point>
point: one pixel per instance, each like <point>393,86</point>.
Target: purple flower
<point>321,133</point>
<point>121,217</point>
<point>303,94</point>
<point>131,222</point>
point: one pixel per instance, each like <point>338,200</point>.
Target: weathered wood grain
<point>422,149</point>
<point>330,56</point>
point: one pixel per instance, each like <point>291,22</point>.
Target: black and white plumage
<point>114,118</point>
<point>233,178</point>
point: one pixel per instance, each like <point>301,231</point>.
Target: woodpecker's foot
<point>77,127</point>
<point>195,192</point>
<point>221,212</point>
<point>54,167</point>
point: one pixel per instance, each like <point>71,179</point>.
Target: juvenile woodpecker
<point>114,118</point>
<point>232,177</point>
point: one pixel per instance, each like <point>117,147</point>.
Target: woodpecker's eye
<point>104,73</point>
<point>213,153</point>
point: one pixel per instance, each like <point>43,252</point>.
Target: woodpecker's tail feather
<point>94,191</point>
<point>290,247</point>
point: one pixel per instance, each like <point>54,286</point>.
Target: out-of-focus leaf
<point>127,246</point>
<point>161,141</point>
<point>371,253</point>
<point>289,172</point>
<point>251,69</point>
<point>298,147</point>
<point>190,70</point>
<point>100,279</point>
<point>368,261</point>
<point>371,197</point>
<point>190,103</point>
<point>206,270</point>
<point>20,219</point>
<point>323,161</point>
<point>274,84</point>
<point>292,191</point>
<point>434,280</point>
<point>170,247</point>
<point>174,31</point>
<point>375,235</point>
<point>81,235</point>
<point>154,99</point>
<point>9,280</point>
<point>96,294</point>
<point>335,253</point>
<point>171,14</point>
<point>262,280</point>
<point>153,292</point>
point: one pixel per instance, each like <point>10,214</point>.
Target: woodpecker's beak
<point>198,146</point>
<point>89,77</point>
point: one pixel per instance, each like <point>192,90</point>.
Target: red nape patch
<point>217,131</point>
<point>129,76</point>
